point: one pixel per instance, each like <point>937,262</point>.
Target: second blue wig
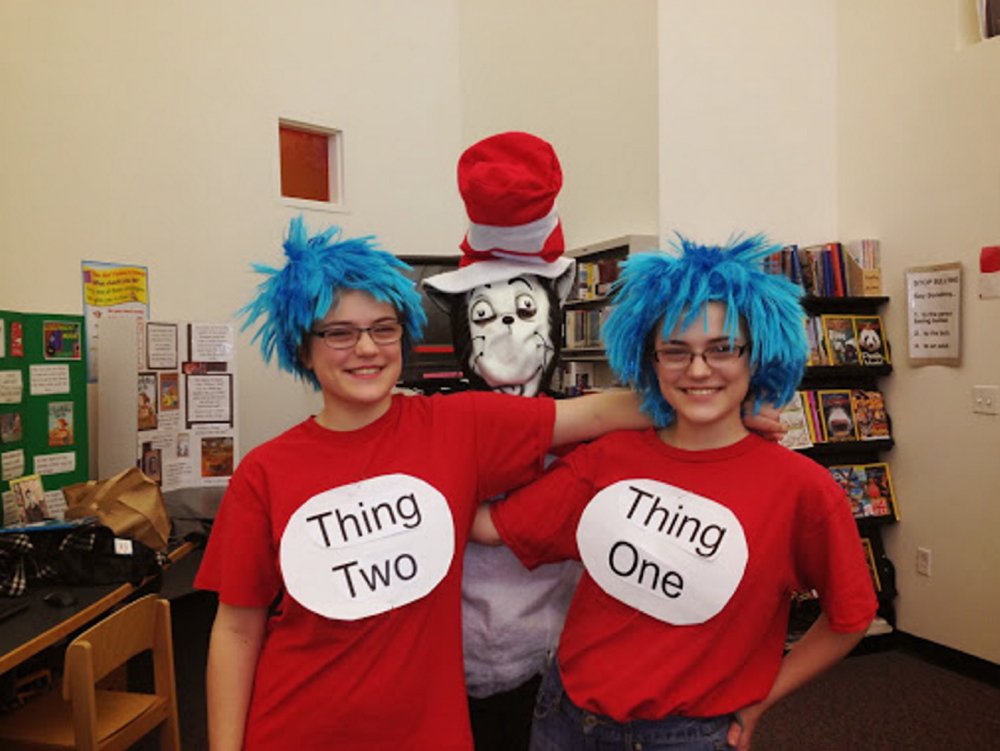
<point>673,289</point>
<point>317,269</point>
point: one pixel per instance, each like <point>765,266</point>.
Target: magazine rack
<point>857,460</point>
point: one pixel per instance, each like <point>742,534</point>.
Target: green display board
<point>43,403</point>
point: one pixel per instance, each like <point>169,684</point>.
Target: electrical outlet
<point>924,561</point>
<point>986,399</point>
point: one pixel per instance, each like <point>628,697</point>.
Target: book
<point>880,498</point>
<point>837,284</point>
<point>29,499</point>
<point>812,413</point>
<point>837,415</point>
<point>852,480</point>
<point>60,424</point>
<point>870,417</point>
<point>873,349</point>
<point>868,488</point>
<point>841,339</point>
<point>10,427</point>
<point>866,545</point>
<point>807,267</point>
<point>793,417</point>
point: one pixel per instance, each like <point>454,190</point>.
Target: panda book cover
<point>873,348</point>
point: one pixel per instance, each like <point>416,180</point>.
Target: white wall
<point>581,74</point>
<point>147,133</point>
<point>748,119</point>
<point>919,168</point>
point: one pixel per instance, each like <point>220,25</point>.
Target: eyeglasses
<point>717,356</point>
<point>346,337</point>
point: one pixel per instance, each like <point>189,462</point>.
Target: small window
<point>310,162</point>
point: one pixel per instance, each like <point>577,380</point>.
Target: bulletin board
<point>167,401</point>
<point>43,405</point>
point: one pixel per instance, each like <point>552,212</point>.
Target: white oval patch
<point>359,550</point>
<point>674,555</point>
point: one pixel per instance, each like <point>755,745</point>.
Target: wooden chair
<point>88,717</point>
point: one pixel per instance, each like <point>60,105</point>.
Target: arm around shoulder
<point>585,417</point>
<point>484,531</point>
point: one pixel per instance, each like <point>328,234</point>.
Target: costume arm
<point>765,423</point>
<point>819,649</point>
<point>237,637</point>
<point>593,415</point>
<point>484,531</point>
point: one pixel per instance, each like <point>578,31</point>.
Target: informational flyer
<point>934,296</point>
<point>185,404</point>
<point>111,290</point>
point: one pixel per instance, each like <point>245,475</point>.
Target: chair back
<point>139,626</point>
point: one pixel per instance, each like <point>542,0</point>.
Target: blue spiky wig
<point>673,289</point>
<point>316,271</point>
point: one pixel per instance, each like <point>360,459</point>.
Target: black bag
<point>93,555</point>
<point>89,554</point>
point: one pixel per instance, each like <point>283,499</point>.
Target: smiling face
<point>707,398</point>
<point>357,382</point>
<point>511,334</point>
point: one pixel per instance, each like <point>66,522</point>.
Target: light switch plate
<point>985,398</point>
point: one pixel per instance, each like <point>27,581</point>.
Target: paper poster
<point>111,290</point>
<point>933,296</point>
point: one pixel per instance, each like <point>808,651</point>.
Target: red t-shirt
<point>389,673</point>
<point>708,546</point>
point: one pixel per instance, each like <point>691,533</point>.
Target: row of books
<point>834,415</point>
<point>830,269</point>
<point>868,488</point>
<point>847,340</point>
<point>594,279</point>
<point>583,327</point>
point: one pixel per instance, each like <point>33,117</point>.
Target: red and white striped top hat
<point>509,183</point>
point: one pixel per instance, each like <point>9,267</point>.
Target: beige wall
<point>581,74</point>
<point>919,168</point>
<point>748,119</point>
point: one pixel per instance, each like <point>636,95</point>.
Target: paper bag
<point>130,503</point>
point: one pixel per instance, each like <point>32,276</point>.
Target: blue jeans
<point>560,725</point>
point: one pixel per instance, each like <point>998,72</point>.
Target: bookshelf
<point>584,363</point>
<point>857,461</point>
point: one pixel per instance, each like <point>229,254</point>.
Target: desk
<point>42,625</point>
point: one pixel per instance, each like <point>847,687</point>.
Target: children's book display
<point>846,423</point>
<point>831,269</point>
<point>835,415</point>
<point>167,394</point>
<point>843,339</point>
<point>43,413</point>
<point>869,490</point>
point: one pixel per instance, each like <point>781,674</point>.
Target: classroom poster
<point>111,290</point>
<point>180,420</point>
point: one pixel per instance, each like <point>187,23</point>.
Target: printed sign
<point>674,555</point>
<point>363,549</point>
